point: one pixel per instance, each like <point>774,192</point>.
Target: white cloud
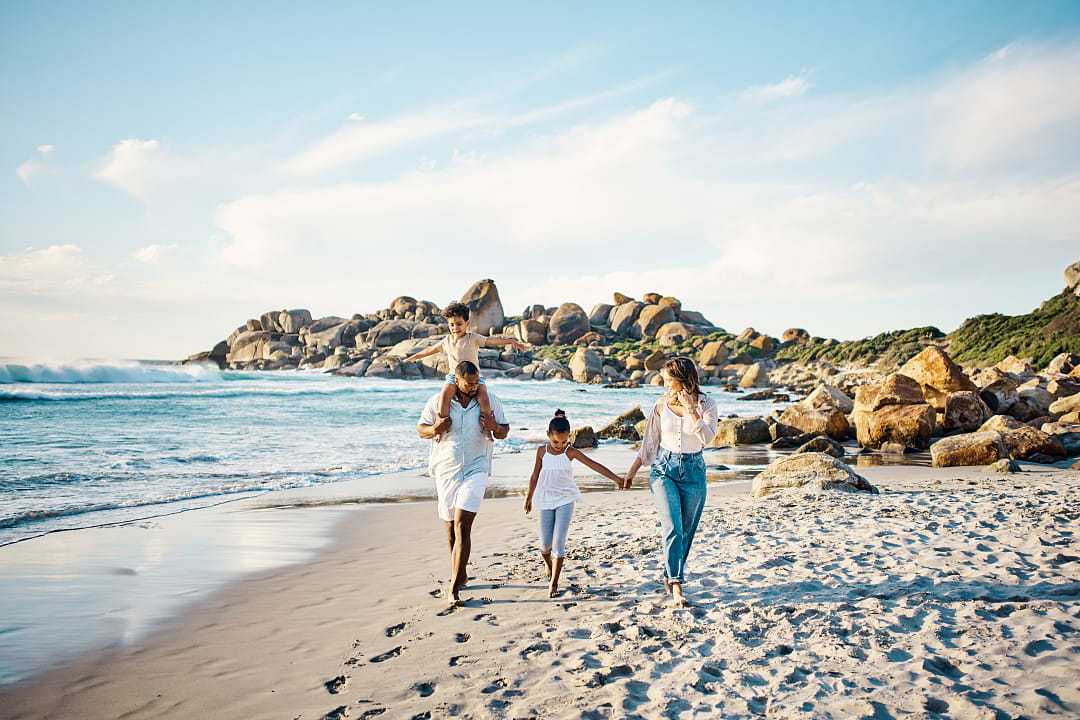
<point>1020,105</point>
<point>154,254</point>
<point>143,167</point>
<point>54,270</point>
<point>789,87</point>
<point>35,165</point>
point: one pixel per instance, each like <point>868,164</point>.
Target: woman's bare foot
<point>667,586</point>
<point>677,597</point>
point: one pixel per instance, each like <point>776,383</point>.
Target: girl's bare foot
<point>547,562</point>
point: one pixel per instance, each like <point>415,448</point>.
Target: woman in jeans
<point>681,423</point>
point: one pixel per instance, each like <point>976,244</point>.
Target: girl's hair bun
<point>560,413</point>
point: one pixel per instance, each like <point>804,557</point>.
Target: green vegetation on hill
<point>1040,335</point>
<point>891,348</point>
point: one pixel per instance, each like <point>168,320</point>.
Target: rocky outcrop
<point>675,333</point>
<point>829,396</point>
<point>485,307</point>
<point>978,448</point>
<point>965,411</point>
<point>1025,442</point>
<point>757,375</point>
<point>624,426</point>
<point>600,313</point>
<point>809,471</point>
<point>822,444</point>
<point>624,316</point>
<point>712,353</point>
<point>1065,405</point>
<point>1072,278</point>
<point>741,431</point>
<point>823,420</point>
<point>794,335</point>
<point>290,321</point>
<point>567,324</point>
<point>1000,424</point>
<point>587,365</point>
<point>895,389</point>
<point>908,425</point>
<point>583,437</point>
<point>937,374</point>
<point>650,320</point>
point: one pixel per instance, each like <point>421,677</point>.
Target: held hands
<point>628,480</point>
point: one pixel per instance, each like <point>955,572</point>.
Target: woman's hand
<point>528,504</point>
<point>689,403</point>
<point>628,480</point>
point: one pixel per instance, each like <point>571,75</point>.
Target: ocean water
<point>87,443</point>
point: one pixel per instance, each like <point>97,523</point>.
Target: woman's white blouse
<point>678,434</point>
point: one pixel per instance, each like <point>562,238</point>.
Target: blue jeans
<point>677,484</point>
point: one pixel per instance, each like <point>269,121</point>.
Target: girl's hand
<point>528,505</point>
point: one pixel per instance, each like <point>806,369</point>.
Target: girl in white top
<point>681,424</point>
<point>553,491</point>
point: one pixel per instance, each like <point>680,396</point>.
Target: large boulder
<point>938,374</point>
<point>408,347</point>
<point>757,375</point>
<point>1000,424</point>
<point>485,307</point>
<point>290,321</point>
<point>829,396</point>
<point>334,336</point>
<point>895,389</point>
<point>794,335</point>
<point>676,333</point>
<point>1063,364</point>
<point>1068,434</point>
<point>587,365</point>
<point>825,420</point>
<point>1072,278</point>
<point>741,431</point>
<point>965,411</point>
<point>977,448</point>
<point>655,360</point>
<point>907,425</point>
<point>812,471</point>
<point>390,332</point>
<point>998,389</point>
<point>764,343</point>
<point>247,346</point>
<point>567,324</point>
<point>713,353</point>
<point>1024,442</point>
<point>692,317</point>
<point>600,314</point>
<point>583,437</point>
<point>1015,366</point>
<point>651,298</point>
<point>624,315</point>
<point>530,331</point>
<point>822,444</point>
<point>623,427</point>
<point>1065,405</point>
<point>269,321</point>
<point>399,306</point>
<point>650,320</point>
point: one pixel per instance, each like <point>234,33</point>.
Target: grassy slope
<point>1051,329</point>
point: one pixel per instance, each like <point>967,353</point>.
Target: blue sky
<point>849,169</point>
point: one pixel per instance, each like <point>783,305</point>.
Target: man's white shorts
<point>466,494</point>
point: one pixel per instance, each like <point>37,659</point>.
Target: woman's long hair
<point>684,370</point>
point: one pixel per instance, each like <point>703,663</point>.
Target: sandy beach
<point>953,593</point>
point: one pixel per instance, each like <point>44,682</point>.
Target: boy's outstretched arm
<point>495,341</point>
<point>433,350</point>
<point>575,454</point>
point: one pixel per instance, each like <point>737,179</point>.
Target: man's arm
<point>427,432</point>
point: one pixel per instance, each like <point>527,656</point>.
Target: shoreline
<point>366,592</point>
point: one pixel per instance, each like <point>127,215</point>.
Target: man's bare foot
<point>553,590</point>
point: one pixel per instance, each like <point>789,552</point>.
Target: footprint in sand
<point>494,686</point>
<point>537,648</point>
<point>337,713</point>
<point>335,685</point>
<point>457,660</point>
<point>462,637</point>
<point>425,689</point>
<point>1037,647</point>
<point>383,657</point>
<point>491,619</point>
<point>373,712</point>
<point>394,629</point>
